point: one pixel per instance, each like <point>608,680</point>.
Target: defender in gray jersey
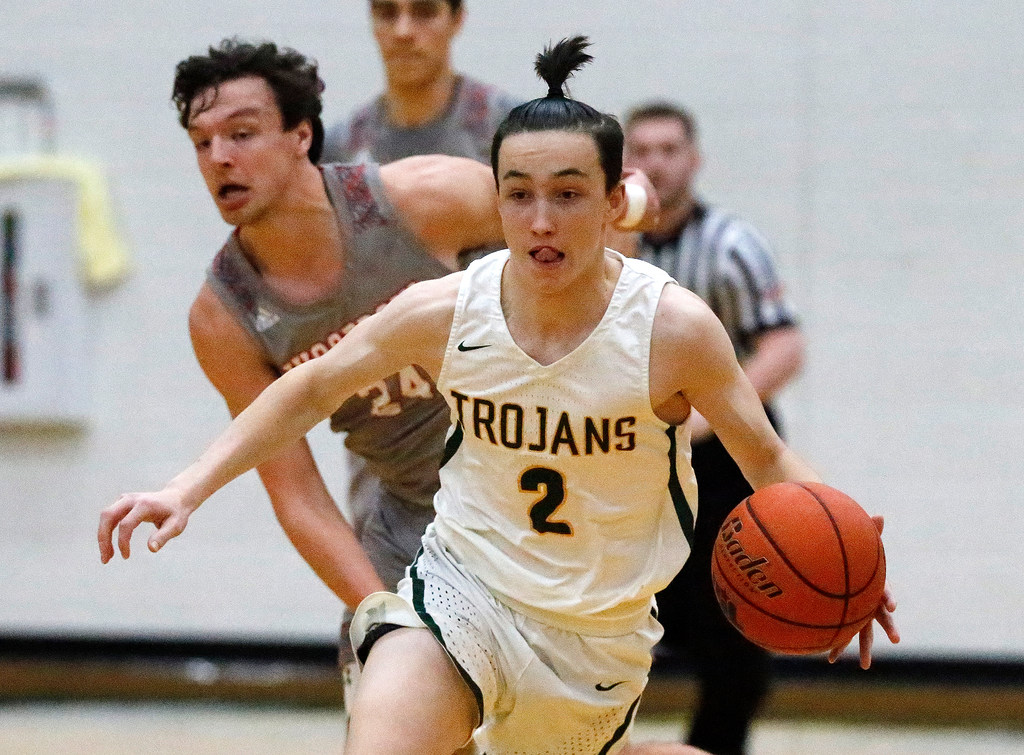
<point>427,108</point>
<point>397,426</point>
<point>726,262</point>
<point>315,251</point>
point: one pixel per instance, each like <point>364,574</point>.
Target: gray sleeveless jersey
<point>465,129</point>
<point>398,425</point>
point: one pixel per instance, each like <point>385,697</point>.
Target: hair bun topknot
<point>556,64</point>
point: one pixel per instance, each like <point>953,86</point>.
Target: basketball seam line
<point>842,548</point>
<point>787,561</point>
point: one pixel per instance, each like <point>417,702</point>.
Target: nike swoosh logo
<point>601,688</point>
<point>463,347</point>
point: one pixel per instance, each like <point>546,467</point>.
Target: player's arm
<point>695,360</point>
<point>413,329</point>
<point>450,203</point>
<point>238,370</point>
<point>410,330</point>
<point>777,359</point>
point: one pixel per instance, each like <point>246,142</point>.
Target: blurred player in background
<point>427,107</point>
<point>731,267</point>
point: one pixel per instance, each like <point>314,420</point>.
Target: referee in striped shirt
<point>726,262</point>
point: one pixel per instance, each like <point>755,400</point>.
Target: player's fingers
<point>888,624</point>
<point>131,520</point>
<point>109,519</point>
<point>888,600</point>
<point>172,527</point>
<point>834,653</point>
<point>879,521</point>
<point>867,639</point>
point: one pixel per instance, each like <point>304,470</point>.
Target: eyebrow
<point>242,112</point>
<point>557,174</point>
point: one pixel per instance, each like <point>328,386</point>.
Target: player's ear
<point>617,203</point>
<point>458,17</point>
<point>304,137</point>
<point>698,159</point>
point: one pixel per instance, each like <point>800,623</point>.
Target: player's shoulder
<point>642,273</point>
<point>687,338</point>
<point>352,136</point>
<point>208,315</point>
<point>640,267</point>
<point>678,301</point>
<point>471,87</point>
<point>422,310</point>
<point>361,120</point>
<point>682,316</point>
<point>428,167</point>
<point>423,177</point>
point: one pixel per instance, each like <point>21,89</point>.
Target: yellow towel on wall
<point>102,253</point>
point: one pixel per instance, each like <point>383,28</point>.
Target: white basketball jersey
<point>561,489</point>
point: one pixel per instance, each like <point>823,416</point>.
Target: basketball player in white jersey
<point>526,623</point>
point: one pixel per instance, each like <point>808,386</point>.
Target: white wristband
<point>636,206</point>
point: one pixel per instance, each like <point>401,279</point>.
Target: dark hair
<point>292,77</point>
<point>652,110</point>
<point>557,112</point>
<point>455,5</point>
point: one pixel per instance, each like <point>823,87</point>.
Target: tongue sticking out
<point>546,254</point>
<point>230,190</point>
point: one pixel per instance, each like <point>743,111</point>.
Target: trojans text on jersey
<point>539,428</point>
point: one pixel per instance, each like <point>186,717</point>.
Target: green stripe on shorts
<point>418,587</point>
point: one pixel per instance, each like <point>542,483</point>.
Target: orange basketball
<point>798,568</point>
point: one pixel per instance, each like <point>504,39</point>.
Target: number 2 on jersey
<point>531,481</point>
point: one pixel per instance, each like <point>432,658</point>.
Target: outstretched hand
<point>883,615</point>
<point>165,509</point>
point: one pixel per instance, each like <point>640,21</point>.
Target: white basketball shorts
<point>539,689</point>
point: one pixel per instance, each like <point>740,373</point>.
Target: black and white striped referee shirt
<point>728,264</point>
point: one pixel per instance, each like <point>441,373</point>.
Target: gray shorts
<point>390,530</point>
